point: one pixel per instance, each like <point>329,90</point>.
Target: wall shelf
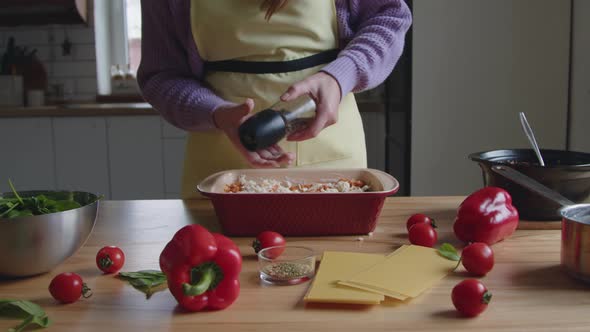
<point>43,12</point>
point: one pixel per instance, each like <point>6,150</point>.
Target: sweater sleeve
<point>165,77</point>
<point>377,29</point>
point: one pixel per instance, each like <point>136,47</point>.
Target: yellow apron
<point>237,30</point>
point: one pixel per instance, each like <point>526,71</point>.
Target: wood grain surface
<point>530,291</point>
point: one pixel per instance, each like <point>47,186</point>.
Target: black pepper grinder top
<point>271,125</point>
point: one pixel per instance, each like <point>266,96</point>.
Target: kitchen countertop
<point>79,110</point>
<point>530,292</point>
<point>116,109</point>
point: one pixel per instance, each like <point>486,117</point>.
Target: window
<point>133,15</point>
<point>118,43</point>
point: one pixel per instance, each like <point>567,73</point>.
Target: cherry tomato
<point>269,239</point>
<point>110,259</point>
<point>470,297</point>
<point>68,287</point>
<point>478,258</point>
<point>419,218</point>
<point>423,235</point>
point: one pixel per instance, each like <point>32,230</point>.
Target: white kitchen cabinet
<point>120,157</point>
<point>476,64</point>
<point>81,154</point>
<point>135,157</point>
<point>28,156</point>
<point>580,105</point>
<point>374,126</point>
<point>169,131</point>
<point>173,162</point>
<point>174,140</point>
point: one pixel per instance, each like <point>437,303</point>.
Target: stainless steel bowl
<point>35,245</point>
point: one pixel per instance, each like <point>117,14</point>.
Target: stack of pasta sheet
<point>358,278</point>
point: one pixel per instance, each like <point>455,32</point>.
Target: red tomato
<point>269,239</point>
<point>68,287</point>
<point>419,218</point>
<point>470,297</point>
<point>110,259</point>
<point>478,258</point>
<point>423,235</point>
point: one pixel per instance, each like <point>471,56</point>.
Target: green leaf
<point>14,192</point>
<point>13,214</point>
<point>146,281</point>
<point>17,213</point>
<point>66,205</point>
<point>25,307</point>
<point>35,205</point>
<point>155,274</point>
<point>449,252</point>
<point>31,320</point>
<point>11,208</point>
<point>8,202</point>
<point>32,313</point>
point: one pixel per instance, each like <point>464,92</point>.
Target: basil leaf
<point>36,205</point>
<point>147,287</point>
<point>14,192</point>
<point>449,252</point>
<point>66,205</point>
<point>31,320</point>
<point>144,274</point>
<point>11,207</point>
<point>17,213</point>
<point>25,307</point>
<point>6,203</point>
<point>32,313</point>
<point>146,281</point>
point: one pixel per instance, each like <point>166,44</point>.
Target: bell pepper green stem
<point>204,276</point>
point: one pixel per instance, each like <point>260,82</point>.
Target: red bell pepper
<point>487,216</point>
<point>202,269</point>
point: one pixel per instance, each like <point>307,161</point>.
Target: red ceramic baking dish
<point>299,214</point>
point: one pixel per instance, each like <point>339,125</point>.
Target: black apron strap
<point>272,67</point>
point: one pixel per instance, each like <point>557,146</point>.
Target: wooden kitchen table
<point>530,292</point>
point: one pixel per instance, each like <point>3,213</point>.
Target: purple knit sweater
<point>372,39</point>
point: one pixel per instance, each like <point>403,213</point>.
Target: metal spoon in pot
<point>531,184</point>
<point>529,134</point>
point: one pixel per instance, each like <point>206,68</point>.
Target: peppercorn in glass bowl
<point>286,265</point>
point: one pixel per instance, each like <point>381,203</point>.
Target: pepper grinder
<point>271,125</point>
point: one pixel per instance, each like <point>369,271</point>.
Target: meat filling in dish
<point>244,185</point>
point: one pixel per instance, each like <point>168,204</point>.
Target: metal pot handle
<point>527,182</point>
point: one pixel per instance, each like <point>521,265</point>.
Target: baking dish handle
<point>389,183</point>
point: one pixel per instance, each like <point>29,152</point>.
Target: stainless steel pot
<point>575,224</point>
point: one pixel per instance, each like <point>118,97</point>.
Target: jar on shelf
<point>129,74</point>
<point>117,73</point>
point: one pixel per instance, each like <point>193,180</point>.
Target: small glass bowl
<point>286,265</point>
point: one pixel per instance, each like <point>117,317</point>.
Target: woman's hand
<point>228,120</point>
<point>325,90</point>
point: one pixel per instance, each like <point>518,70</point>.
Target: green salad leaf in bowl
<point>18,206</point>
